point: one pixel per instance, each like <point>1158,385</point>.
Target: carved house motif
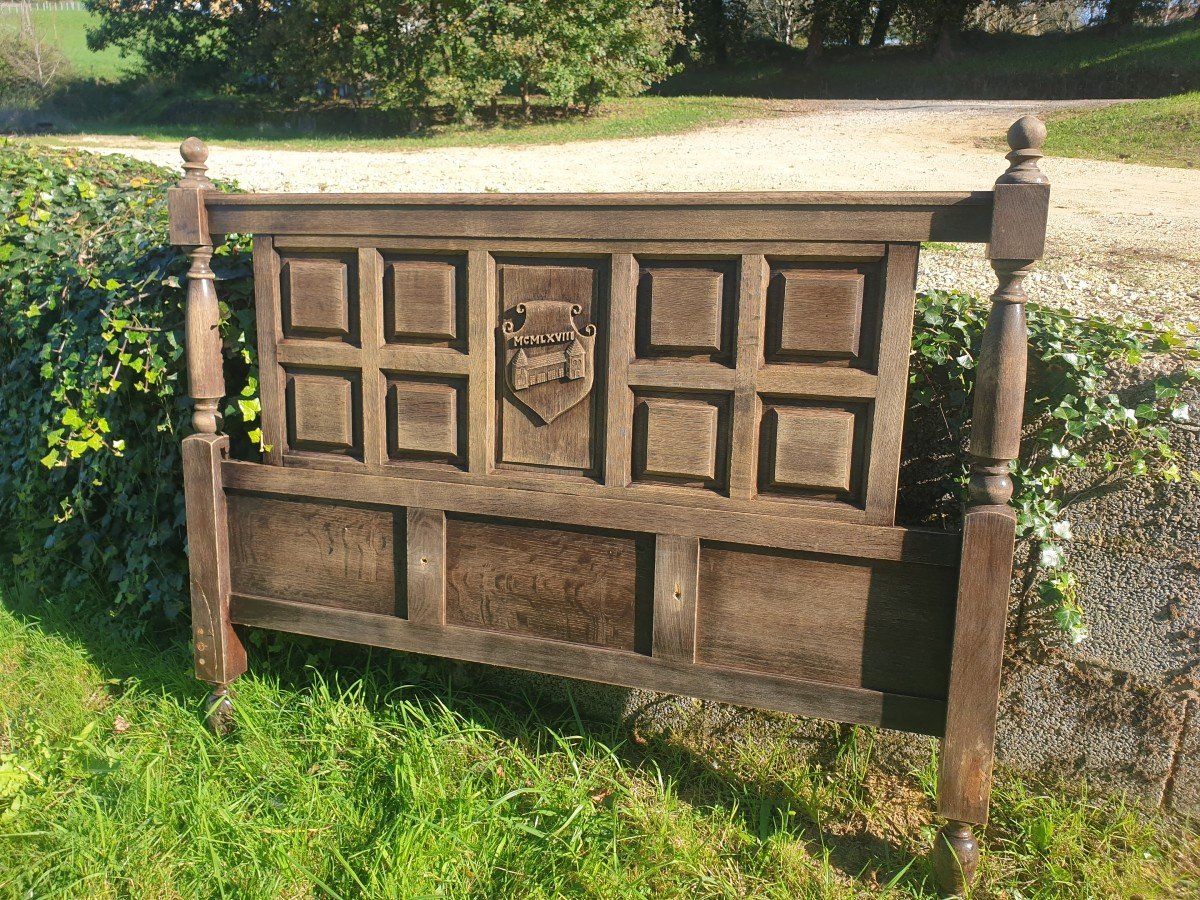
<point>567,362</point>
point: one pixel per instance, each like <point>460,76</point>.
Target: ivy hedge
<point>93,394</point>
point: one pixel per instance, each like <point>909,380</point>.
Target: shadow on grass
<point>522,708</point>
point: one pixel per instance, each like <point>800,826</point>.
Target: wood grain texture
<point>676,576</point>
<point>481,302</point>
<point>426,566</point>
<point>545,582</point>
<point>1019,221</point>
<point>842,704</point>
<point>887,421</point>
<point>424,420</point>
<point>569,442</point>
<point>820,312</point>
<point>270,333</point>
<point>336,555</point>
<point>618,432</point>
<point>830,216</point>
<point>747,407</point>
<point>621,511</point>
<point>373,381</point>
<point>219,654</point>
<point>421,298</point>
<point>813,448</point>
<point>838,620</point>
<point>965,779</point>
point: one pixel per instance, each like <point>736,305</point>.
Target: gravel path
<point>1123,238</point>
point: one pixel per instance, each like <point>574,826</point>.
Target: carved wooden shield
<point>548,360</point>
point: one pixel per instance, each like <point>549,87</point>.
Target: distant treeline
<point>719,30</point>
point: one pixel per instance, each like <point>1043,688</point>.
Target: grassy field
<point>385,775</point>
<point>68,28</point>
<point>1147,62</point>
<point>1159,132</point>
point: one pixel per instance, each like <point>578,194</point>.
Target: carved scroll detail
<point>549,363</point>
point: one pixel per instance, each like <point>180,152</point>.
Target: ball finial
<point>194,150</point>
<point>1027,133</point>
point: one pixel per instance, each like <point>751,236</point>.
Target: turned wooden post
<point>219,654</point>
<point>1021,202</point>
<point>206,380</point>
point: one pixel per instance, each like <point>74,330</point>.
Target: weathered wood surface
<point>646,439</point>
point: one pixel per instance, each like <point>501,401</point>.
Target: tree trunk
<point>526,112</point>
<point>947,39</point>
<point>883,22</point>
<point>861,12</point>
<point>1120,14</point>
<point>818,25</point>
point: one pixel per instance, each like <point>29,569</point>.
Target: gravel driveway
<point>1123,238</point>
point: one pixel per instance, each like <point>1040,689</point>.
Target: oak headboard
<point>645,439</point>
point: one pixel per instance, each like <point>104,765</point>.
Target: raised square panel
<point>317,297</point>
<point>679,439</point>
<point>419,300</point>
<point>820,312</point>
<point>322,411</point>
<point>423,419</point>
<point>685,309</point>
<point>814,448</point>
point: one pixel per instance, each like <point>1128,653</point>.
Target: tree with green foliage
<point>402,54</point>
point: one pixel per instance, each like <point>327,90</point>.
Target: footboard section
<point>845,621</point>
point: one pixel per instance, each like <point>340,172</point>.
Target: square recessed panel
<point>810,448</point>
<point>323,411</point>
<point>822,313</point>
<point>317,298</point>
<point>680,439</point>
<point>424,419</point>
<point>421,299</point>
<point>685,309</point>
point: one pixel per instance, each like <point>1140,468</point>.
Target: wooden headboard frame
<point>644,439</point>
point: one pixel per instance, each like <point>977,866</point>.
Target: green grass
<point>1146,62</point>
<point>1159,132</point>
<point>623,118</point>
<point>68,28</point>
<point>386,775</point>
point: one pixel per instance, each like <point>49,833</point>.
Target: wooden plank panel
<point>685,374</point>
<point>817,381</point>
<point>330,554</point>
<point>621,511</point>
<point>618,434</point>
<point>481,344</point>
<point>838,620</point>
<point>965,779</point>
<point>676,574</point>
<point>270,334</point>
<point>765,216</point>
<point>747,407</point>
<point>426,566</point>
<point>546,582</point>
<point>824,251</point>
<point>895,344</point>
<point>220,656</point>
<point>842,704</point>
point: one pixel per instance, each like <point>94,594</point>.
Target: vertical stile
<point>619,426</point>
<point>374,381</point>
<point>426,537</point>
<point>270,332</point>
<point>481,345</point>
<point>746,404</point>
<point>895,341</point>
<point>676,578</point>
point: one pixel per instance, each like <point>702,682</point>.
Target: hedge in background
<point>92,389</point>
<point>93,395</point>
